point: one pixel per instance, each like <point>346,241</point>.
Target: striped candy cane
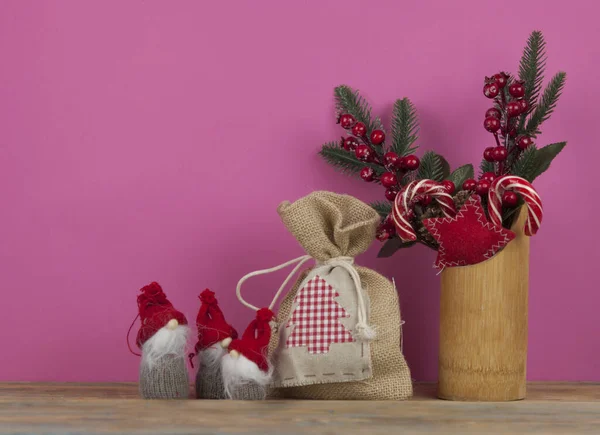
<point>529,194</point>
<point>406,200</point>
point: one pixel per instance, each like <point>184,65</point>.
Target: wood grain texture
<point>27,408</point>
<point>483,325</point>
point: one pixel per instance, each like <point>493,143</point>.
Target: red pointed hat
<point>211,323</point>
<point>155,312</point>
<point>254,342</point>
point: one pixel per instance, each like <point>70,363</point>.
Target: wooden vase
<point>483,325</point>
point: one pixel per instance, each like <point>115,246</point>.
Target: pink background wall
<point>146,140</point>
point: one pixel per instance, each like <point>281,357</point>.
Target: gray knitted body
<point>165,379</point>
<point>209,383</point>
<point>249,391</point>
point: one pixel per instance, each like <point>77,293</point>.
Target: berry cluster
<point>365,150</point>
<point>510,102</point>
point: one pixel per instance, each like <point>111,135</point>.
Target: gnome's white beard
<point>239,371</point>
<point>165,342</point>
<point>210,358</point>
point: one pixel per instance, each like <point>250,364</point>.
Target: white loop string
<point>299,260</point>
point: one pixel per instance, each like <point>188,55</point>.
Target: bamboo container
<point>483,325</point>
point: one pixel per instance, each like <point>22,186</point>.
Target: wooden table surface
<point>36,408</point>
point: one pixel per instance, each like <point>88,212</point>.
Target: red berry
<point>391,159</point>
<point>425,200</point>
<point>524,142</point>
<point>513,132</point>
<point>367,174</point>
<point>482,187</point>
<point>411,162</point>
<point>491,124</point>
<point>382,234</point>
<point>524,105</point>
<point>501,79</point>
<point>390,194</point>
<point>389,179</point>
<point>449,186</point>
<point>513,109</point>
<point>516,90</point>
<point>359,129</point>
<point>491,90</point>
<point>377,137</point>
<point>469,184</point>
<point>499,154</point>
<point>349,143</point>
<point>347,121</point>
<point>494,113</point>
<point>487,154</point>
<point>363,152</point>
<point>488,176</point>
<point>510,199</point>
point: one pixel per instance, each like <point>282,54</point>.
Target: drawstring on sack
<point>363,330</point>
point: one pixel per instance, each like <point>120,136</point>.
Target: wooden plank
<point>556,408</point>
<point>9,391</point>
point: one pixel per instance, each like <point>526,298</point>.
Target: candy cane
<point>529,194</point>
<point>406,199</point>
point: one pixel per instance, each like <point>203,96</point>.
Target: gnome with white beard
<point>162,338</point>
<point>214,336</point>
<point>246,369</point>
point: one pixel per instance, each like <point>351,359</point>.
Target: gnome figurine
<point>214,336</point>
<point>246,369</point>
<point>162,338</point>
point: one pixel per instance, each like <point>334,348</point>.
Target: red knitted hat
<point>211,323</point>
<point>255,340</point>
<point>155,312</point>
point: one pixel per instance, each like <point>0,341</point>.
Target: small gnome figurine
<point>246,369</point>
<point>162,338</point>
<point>214,336</point>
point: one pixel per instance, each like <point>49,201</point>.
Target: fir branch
<point>384,208</point>
<point>546,105</point>
<point>431,167</point>
<point>486,166</point>
<point>345,161</point>
<point>460,175</point>
<point>405,127</point>
<point>525,165</point>
<point>349,101</point>
<point>531,71</point>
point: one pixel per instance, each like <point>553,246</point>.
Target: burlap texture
<point>328,225</point>
<point>209,384</point>
<point>165,379</point>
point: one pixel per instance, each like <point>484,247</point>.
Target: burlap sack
<point>330,226</point>
<point>209,384</point>
<point>165,379</point>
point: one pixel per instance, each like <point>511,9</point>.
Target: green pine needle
<point>405,127</point>
<point>486,166</point>
<point>531,70</point>
<point>546,105</point>
<point>382,207</point>
<point>525,165</point>
<point>345,161</point>
<point>431,167</point>
<point>349,101</point>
